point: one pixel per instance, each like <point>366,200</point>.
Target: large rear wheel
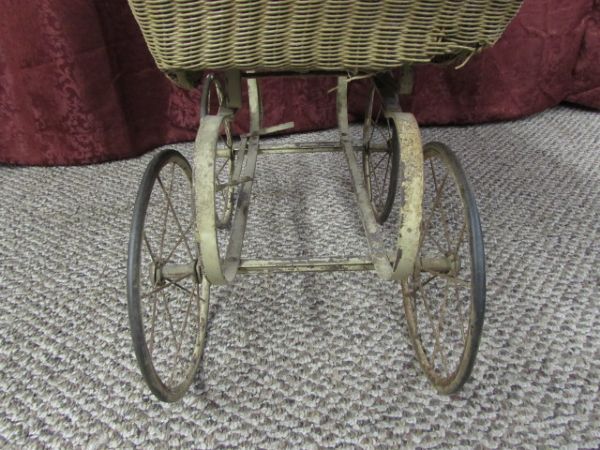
<point>444,297</point>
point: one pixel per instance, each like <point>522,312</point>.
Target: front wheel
<point>167,292</point>
<point>444,297</point>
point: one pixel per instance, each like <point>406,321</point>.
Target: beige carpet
<point>317,360</point>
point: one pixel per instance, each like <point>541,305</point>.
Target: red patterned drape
<point>77,84</point>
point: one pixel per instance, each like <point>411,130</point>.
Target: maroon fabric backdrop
<point>77,84</point>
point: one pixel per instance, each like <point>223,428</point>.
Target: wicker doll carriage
<point>189,220</point>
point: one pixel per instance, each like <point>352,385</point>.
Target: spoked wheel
<point>444,298</point>
<point>381,155</point>
<point>213,99</point>
<point>167,294</point>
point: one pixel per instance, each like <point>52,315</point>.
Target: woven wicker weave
<point>315,35</point>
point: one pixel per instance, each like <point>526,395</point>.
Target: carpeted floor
<point>315,360</point>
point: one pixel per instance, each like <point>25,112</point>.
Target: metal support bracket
<point>233,88</point>
<point>411,159</point>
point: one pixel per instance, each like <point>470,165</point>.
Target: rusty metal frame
<point>403,259</point>
<point>219,268</point>
<point>411,210</point>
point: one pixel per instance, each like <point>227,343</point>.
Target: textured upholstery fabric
<point>77,84</point>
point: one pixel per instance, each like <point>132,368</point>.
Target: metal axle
<point>317,147</point>
<point>323,264</point>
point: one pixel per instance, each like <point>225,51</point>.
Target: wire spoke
<point>427,281</point>
<point>177,285</point>
<point>383,187</point>
<point>435,205</point>
<point>390,133</point>
<point>435,185</point>
<point>170,205</point>
<point>371,130</point>
<point>438,332</point>
<point>146,240</point>
<point>217,90</point>
<point>153,291</point>
<point>222,167</point>
<point>439,246</point>
<point>431,321</point>
<point>386,139</point>
<point>438,191</point>
<point>384,157</point>
<point>439,203</point>
<point>179,241</point>
<point>224,194</point>
<point>153,324</point>
<point>378,115</point>
<point>456,279</point>
<point>388,170</point>
<point>368,179</point>
<point>442,211</point>
<point>426,303</point>
<point>377,167</point>
<point>460,317</point>
<point>164,229</point>
<point>444,360</point>
<point>460,238</point>
<point>373,175</point>
<point>182,334</point>
<point>425,226</point>
<point>445,226</point>
<point>170,319</point>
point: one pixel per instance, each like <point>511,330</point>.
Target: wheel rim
<point>445,305</point>
<point>167,310</point>
<point>380,156</point>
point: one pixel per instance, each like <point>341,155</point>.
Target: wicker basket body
<point>316,35</point>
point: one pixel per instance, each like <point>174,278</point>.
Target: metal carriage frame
<point>213,262</point>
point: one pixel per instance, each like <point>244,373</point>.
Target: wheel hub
<point>161,273</point>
